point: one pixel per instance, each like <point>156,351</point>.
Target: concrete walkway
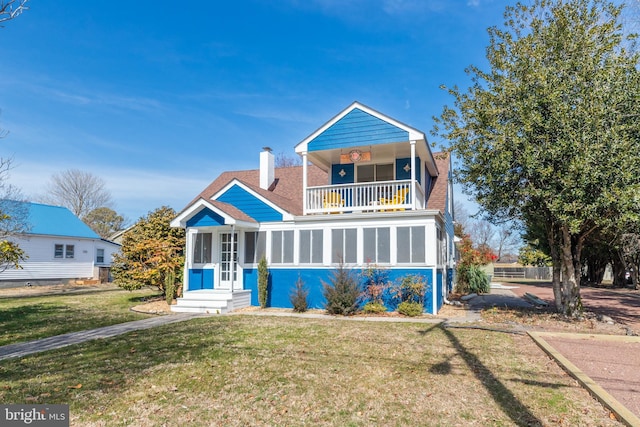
<point>50,343</point>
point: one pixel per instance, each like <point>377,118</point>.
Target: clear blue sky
<point>158,98</point>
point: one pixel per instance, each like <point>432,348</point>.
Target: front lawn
<point>29,318</point>
<point>261,370</point>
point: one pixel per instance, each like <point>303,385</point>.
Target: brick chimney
<point>267,168</point>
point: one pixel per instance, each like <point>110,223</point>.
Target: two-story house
<point>369,192</point>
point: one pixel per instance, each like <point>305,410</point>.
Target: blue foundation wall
<point>282,282</point>
<point>440,294</point>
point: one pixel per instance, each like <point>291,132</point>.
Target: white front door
<point>228,260</point>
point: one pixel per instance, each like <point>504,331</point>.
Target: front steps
<point>209,301</point>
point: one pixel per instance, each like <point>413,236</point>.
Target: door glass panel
<point>366,173</point>
<point>384,172</point>
<point>228,257</point>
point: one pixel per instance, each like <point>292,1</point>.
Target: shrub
<point>410,293</point>
<point>409,308</point>
<point>374,308</point>
<point>471,278</point>
<point>263,281</point>
<point>375,285</point>
<point>150,250</point>
<point>170,286</point>
<point>413,288</point>
<point>341,293</point>
<point>298,296</point>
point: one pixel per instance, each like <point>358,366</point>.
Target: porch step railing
<point>364,197</point>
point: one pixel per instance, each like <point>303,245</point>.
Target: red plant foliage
<point>470,255</point>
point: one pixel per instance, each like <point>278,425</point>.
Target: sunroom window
<point>377,245</point>
<point>202,248</point>
<point>410,244</point>
<point>282,247</point>
<point>344,245</point>
<point>255,246</point>
<point>311,247</point>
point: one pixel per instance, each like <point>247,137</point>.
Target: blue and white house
<point>60,248</point>
<point>369,192</point>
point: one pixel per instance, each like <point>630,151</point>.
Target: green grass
<point>29,318</point>
<point>246,370</point>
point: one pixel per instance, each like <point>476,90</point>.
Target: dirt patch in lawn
<point>157,305</point>
<point>60,289</point>
<point>538,320</point>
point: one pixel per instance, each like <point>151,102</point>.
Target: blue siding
<point>200,278</point>
<point>403,174</point>
<point>355,129</point>
<point>429,181</point>
<point>205,217</point>
<point>349,176</point>
<point>250,204</point>
<point>440,289</point>
<point>282,282</point>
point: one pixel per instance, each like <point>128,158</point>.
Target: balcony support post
<point>412,188</point>
<point>304,184</point>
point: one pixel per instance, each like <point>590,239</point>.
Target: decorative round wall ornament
<point>355,155</point>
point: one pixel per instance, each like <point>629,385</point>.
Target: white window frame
<point>98,256</point>
<point>68,251</point>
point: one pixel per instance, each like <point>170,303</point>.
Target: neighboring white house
<point>369,192</point>
<point>60,249</point>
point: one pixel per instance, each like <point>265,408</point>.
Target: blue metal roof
<point>56,221</point>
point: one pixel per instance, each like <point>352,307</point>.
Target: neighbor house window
<point>344,245</point>
<point>100,256</point>
<point>410,244</point>
<point>311,247</point>
<point>202,248</point>
<point>282,247</point>
<point>377,242</point>
<point>255,246</point>
<point>63,251</point>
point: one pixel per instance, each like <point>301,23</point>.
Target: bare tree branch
<point>284,161</point>
<point>79,191</point>
<point>10,9</point>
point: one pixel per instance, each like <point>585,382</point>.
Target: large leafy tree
<point>152,253</point>
<point>550,130</point>
<point>104,221</point>
<point>13,223</point>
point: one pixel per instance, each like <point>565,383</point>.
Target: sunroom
<point>374,164</point>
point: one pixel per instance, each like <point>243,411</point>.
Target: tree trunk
<point>570,248</point>
<point>619,268</point>
<point>596,266</point>
<point>552,237</point>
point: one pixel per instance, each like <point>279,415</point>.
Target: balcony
<point>383,196</point>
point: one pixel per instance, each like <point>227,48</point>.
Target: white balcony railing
<point>364,197</point>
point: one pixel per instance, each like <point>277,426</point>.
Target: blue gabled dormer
<point>374,163</point>
<point>250,204</point>
<point>357,128</point>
